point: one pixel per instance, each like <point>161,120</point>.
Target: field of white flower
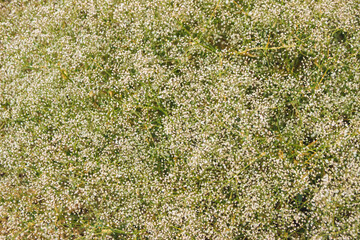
<point>180,119</point>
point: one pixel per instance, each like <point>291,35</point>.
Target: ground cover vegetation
<point>179,119</point>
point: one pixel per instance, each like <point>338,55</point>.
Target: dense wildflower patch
<point>179,119</point>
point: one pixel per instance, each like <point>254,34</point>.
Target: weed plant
<point>179,119</point>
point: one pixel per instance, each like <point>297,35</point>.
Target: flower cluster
<point>179,119</point>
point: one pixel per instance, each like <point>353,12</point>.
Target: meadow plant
<point>179,119</point>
